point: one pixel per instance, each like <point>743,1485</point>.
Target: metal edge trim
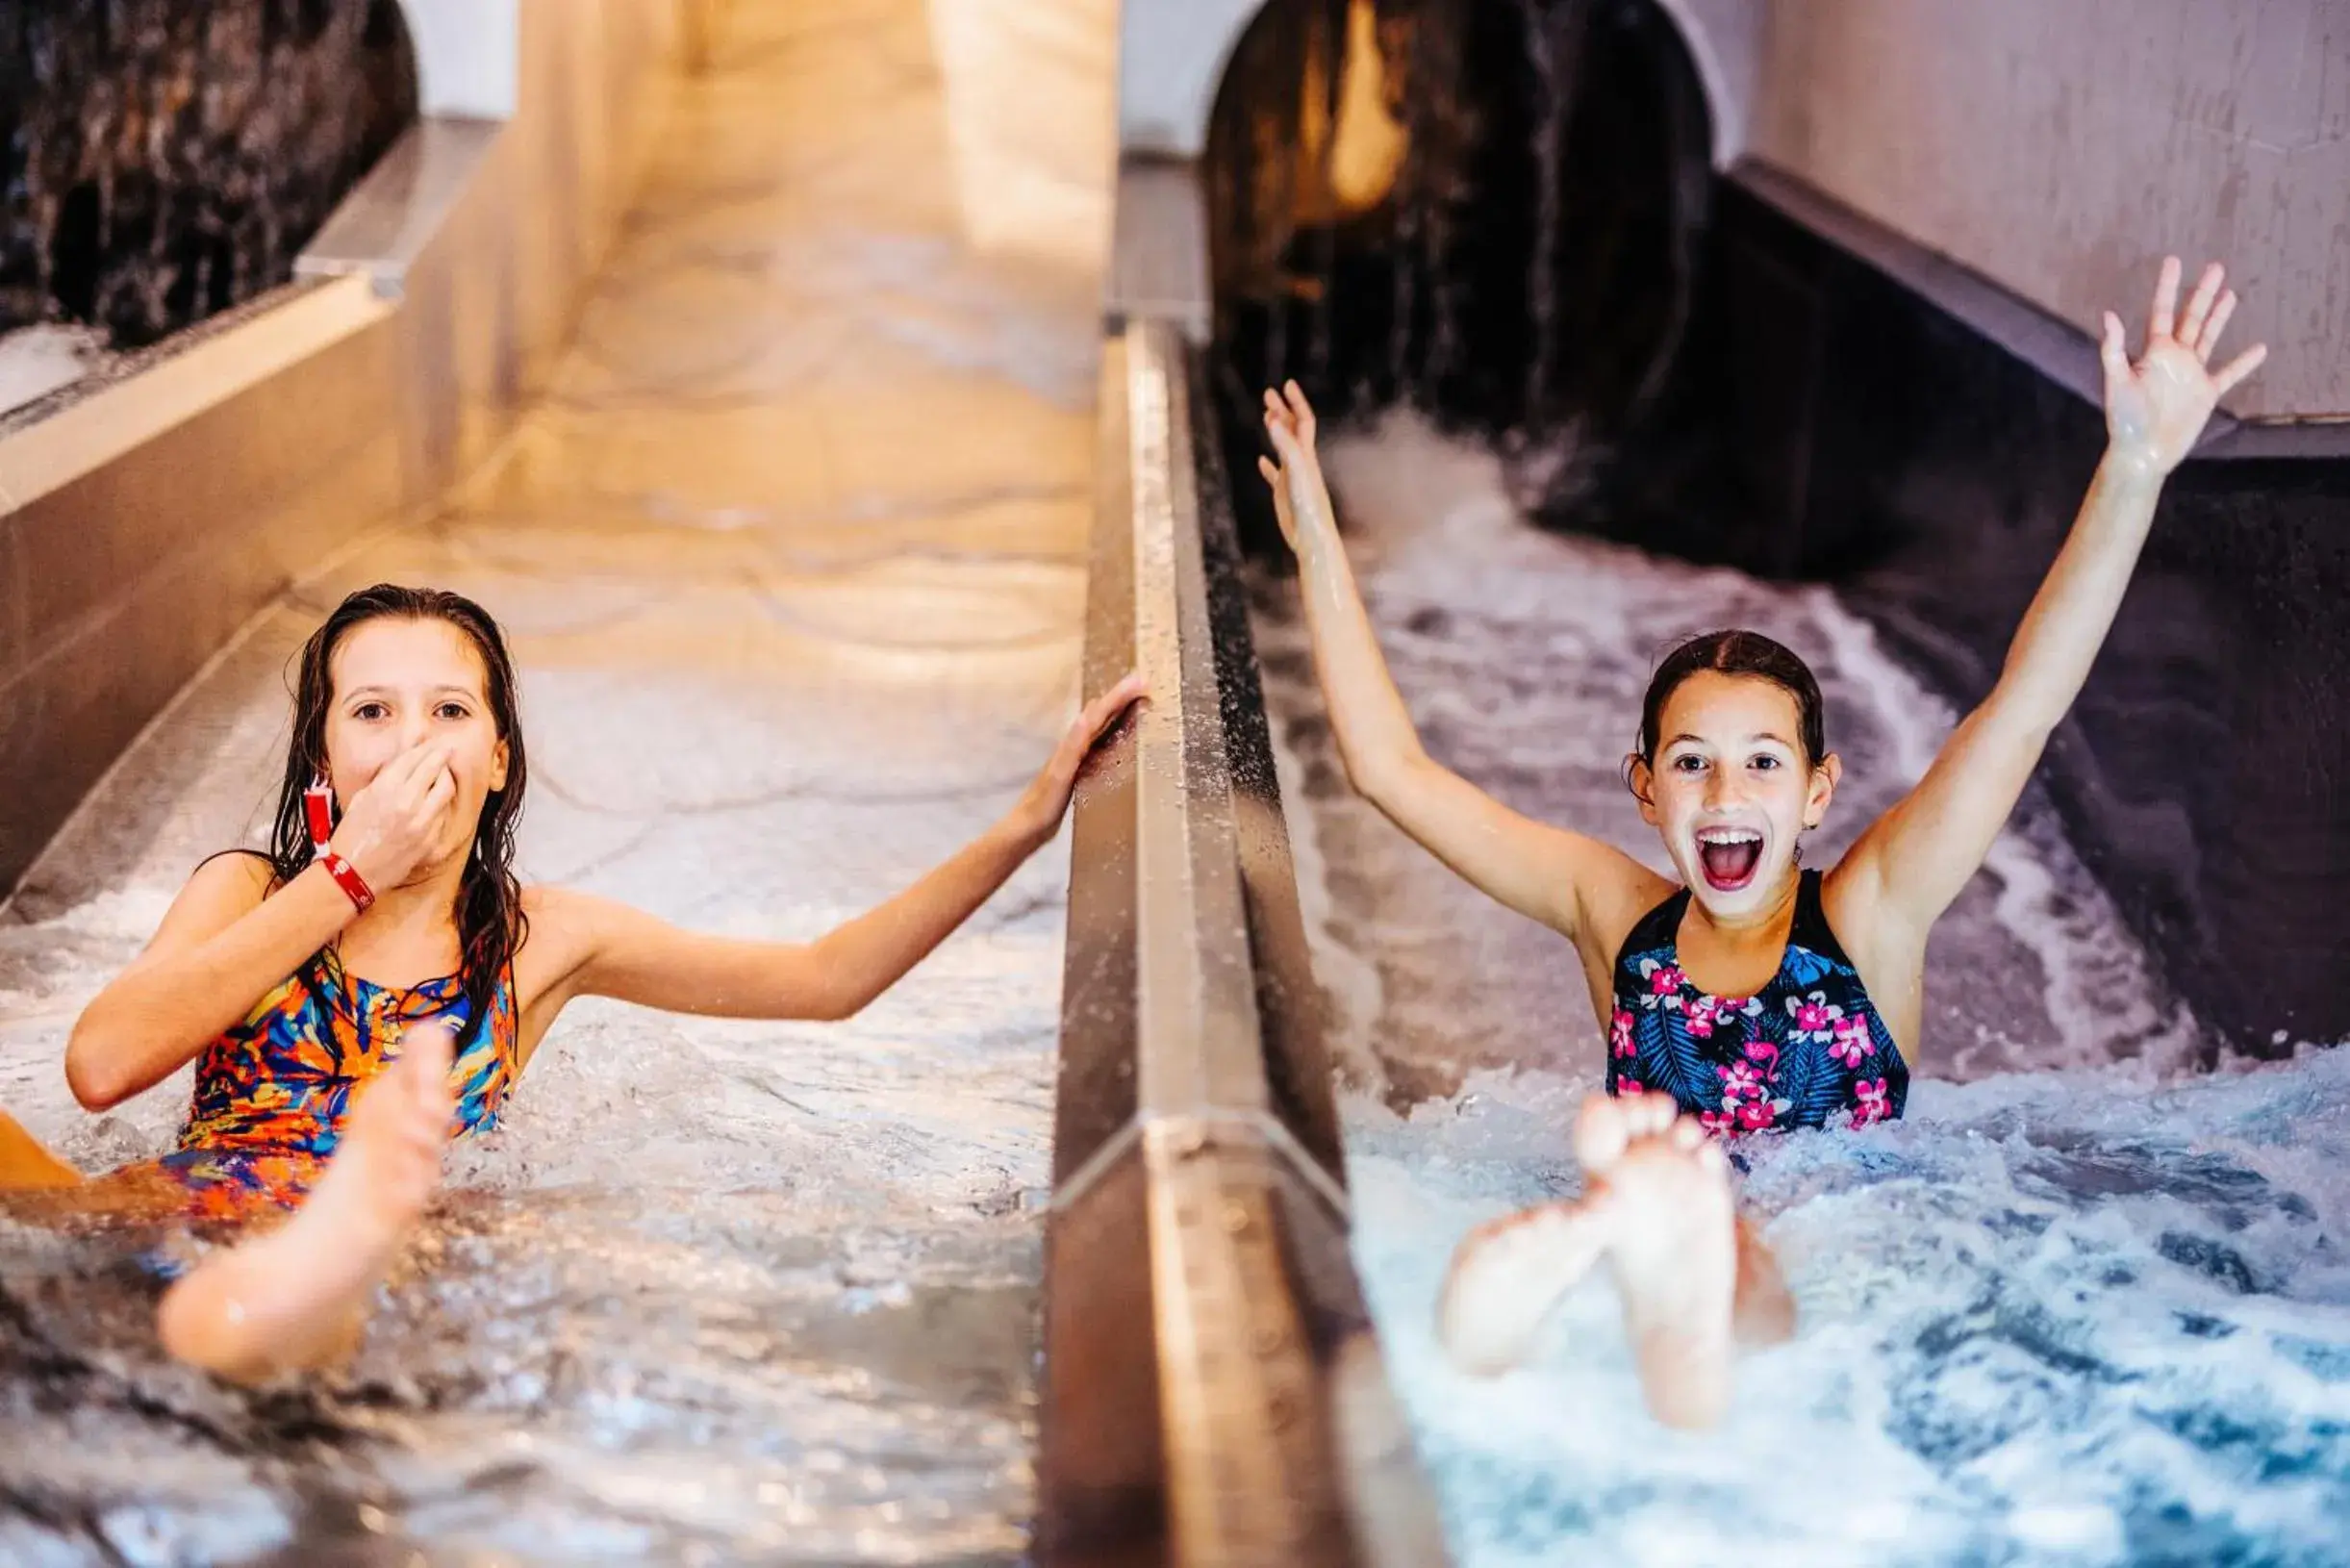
<point>1200,1041</point>
<point>1276,1428</point>
<point>83,428</point>
<point>2061,353</point>
<point>393,216</point>
<point>1202,1128</point>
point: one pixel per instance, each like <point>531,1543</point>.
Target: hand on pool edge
<point>1047,801</point>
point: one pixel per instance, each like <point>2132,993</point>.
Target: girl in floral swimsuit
<point>1753,993</point>
<point>377,980</point>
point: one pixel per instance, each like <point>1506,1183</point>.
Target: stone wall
<point>168,159</point>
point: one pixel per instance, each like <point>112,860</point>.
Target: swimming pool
<point>2084,1306</point>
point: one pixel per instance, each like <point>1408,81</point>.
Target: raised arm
<point>1915,860</point>
<point>634,956</point>
<point>227,941</point>
<point>1555,876</point>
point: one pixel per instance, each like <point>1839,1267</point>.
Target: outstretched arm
<point>629,954</point>
<point>1547,872</point>
<point>1915,860</point>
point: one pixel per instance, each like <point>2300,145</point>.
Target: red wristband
<point>346,877</point>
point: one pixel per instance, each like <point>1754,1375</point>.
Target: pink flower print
<point>1871,1103</point>
<point>1815,1015</point>
<point>1620,1034</point>
<point>1721,1124</point>
<point>1663,979</point>
<point>1852,1042</point>
<point>1757,1115</point>
<point>1703,1013</point>
<point>1740,1080</point>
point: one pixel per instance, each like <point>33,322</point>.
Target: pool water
<point>793,558</point>
<point>2087,1305</point>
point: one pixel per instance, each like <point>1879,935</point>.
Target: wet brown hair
<point>488,912</point>
<point>1736,652</point>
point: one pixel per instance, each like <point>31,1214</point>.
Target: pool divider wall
<point>150,511</point>
<point>1213,1392</point>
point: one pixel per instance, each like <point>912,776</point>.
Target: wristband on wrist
<point>346,877</point>
<point>318,813</point>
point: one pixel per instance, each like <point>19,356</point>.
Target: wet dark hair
<point>1736,652</point>
<point>490,922</point>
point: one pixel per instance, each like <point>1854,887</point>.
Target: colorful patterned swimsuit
<point>1806,1050</point>
<point>271,1093</point>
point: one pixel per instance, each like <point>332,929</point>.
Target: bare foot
<point>1506,1277</point>
<point>1673,1246</point>
<point>293,1299</point>
<point>1509,1273</point>
<point>1658,1208</point>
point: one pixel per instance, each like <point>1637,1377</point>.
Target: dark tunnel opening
<point>1493,210</point>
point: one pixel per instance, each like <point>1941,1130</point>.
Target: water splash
<point>38,361</point>
<point>1524,654</point>
<point>2085,1306</point>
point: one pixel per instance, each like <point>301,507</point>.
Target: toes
<point>1507,1275</point>
<point>1650,1115</point>
<point>1600,1130</point>
<point>1687,1133</point>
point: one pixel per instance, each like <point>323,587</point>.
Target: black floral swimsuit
<point>1808,1050</point>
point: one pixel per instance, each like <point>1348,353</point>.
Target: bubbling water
<point>2080,1306</point>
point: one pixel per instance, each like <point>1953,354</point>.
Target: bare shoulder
<point>569,929</point>
<point>246,873</point>
<point>232,883</point>
<point>561,933</point>
<point>560,920</point>
<point>217,894</point>
<point>1851,896</point>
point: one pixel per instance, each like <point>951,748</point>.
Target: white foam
<point>37,361</point>
<point>2076,1310</point>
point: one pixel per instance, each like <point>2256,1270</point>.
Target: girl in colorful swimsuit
<point>378,980</point>
<point>1755,994</point>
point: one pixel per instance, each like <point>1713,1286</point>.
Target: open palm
<point>1296,478</point>
<point>2156,407</point>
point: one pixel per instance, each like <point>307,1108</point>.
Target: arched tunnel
<point>823,395</point>
<point>1495,212</point>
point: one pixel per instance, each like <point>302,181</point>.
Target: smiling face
<point>397,682</point>
<point>1731,789</point>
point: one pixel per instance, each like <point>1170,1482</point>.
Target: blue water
<point>2086,1305</point>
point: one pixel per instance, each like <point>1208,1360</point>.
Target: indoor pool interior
<point>825,394</point>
